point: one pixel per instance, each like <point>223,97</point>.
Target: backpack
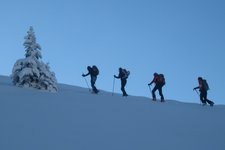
<point>161,79</point>
<point>126,73</point>
<point>95,70</point>
<point>205,85</point>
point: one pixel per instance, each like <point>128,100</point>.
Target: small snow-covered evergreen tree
<point>31,71</point>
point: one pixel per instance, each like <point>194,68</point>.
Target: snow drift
<point>74,119</point>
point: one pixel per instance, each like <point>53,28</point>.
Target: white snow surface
<point>75,119</point>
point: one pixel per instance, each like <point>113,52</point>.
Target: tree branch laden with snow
<point>30,71</point>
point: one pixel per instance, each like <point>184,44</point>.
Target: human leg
<point>123,84</point>
<point>161,94</point>
<point>153,93</point>
<point>202,97</point>
<point>93,80</point>
<point>211,103</point>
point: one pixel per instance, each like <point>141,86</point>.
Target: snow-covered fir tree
<point>31,71</point>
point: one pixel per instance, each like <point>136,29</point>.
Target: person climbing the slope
<point>159,82</point>
<point>123,75</point>
<point>203,88</point>
<point>93,72</point>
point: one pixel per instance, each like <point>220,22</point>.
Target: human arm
<point>196,88</point>
<point>119,76</point>
<point>84,75</point>
<point>153,81</point>
<point>116,77</point>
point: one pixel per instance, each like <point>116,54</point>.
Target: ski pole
<point>198,94</point>
<point>149,88</point>
<point>113,86</point>
<point>87,84</point>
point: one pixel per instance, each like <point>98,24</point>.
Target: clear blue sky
<point>183,39</point>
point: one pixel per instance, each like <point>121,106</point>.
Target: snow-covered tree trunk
<point>30,71</point>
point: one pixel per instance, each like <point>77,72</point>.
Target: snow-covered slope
<point>74,119</point>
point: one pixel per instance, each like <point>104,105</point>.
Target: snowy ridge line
<point>66,88</point>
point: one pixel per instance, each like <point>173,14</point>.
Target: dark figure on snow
<point>159,81</point>
<point>123,75</point>
<point>93,72</point>
<point>203,88</point>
